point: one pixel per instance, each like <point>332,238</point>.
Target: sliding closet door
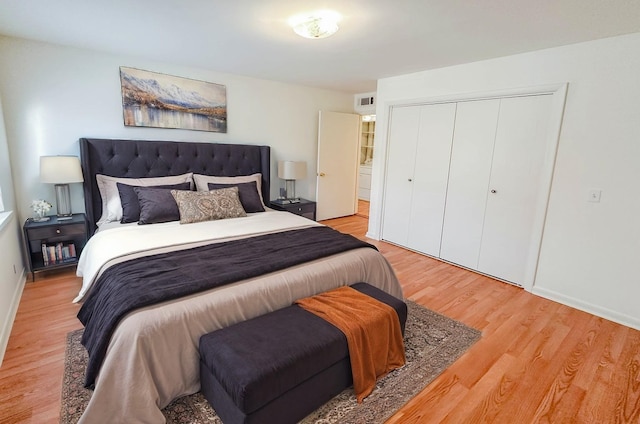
<point>433,154</point>
<point>469,173</point>
<point>515,187</point>
<point>403,136</point>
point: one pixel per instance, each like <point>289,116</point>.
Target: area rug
<point>432,343</point>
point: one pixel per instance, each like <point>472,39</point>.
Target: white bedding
<point>117,241</point>
<point>153,357</point>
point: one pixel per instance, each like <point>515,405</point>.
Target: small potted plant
<point>40,209</point>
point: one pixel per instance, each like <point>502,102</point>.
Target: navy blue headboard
<point>142,158</point>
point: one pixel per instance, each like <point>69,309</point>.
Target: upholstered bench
<point>279,367</point>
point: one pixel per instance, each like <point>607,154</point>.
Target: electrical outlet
<point>594,195</point>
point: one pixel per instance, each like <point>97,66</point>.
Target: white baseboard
<point>372,235</point>
<point>609,314</point>
<point>5,331</point>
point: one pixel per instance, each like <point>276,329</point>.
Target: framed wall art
<point>151,99</point>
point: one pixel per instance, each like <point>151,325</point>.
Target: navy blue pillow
<point>247,192</point>
<point>129,199</point>
<point>156,205</point>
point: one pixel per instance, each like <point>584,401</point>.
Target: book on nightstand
<point>58,253</point>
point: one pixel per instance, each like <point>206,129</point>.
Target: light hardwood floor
<point>363,208</point>
<point>537,361</point>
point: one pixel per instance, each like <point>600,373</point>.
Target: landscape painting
<point>150,99</point>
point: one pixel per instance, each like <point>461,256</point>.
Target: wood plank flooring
<point>537,361</point>
<point>363,208</point>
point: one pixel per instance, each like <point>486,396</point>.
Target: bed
<point>151,356</point>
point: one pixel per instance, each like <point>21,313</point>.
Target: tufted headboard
<point>142,158</point>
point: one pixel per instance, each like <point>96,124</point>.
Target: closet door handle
<point>494,191</point>
<point>409,180</point>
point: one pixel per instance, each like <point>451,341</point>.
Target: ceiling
<point>377,38</point>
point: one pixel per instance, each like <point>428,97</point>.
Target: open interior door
<point>337,180</point>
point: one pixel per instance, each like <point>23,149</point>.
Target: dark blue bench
<point>279,367</point>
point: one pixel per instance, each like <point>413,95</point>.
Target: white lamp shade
<point>60,170</point>
<point>291,170</point>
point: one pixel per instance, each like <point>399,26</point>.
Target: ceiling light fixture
<point>318,24</point>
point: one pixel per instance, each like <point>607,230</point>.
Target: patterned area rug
<point>432,343</point>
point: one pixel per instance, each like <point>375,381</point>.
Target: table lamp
<point>290,171</point>
<point>61,171</point>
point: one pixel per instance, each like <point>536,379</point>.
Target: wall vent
<point>365,103</point>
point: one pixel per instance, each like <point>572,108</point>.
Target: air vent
<point>364,103</point>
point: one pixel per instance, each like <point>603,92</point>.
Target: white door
<point>337,181</point>
<point>417,168</point>
<point>432,156</point>
<point>403,136</point>
<point>496,182</point>
<point>469,173</point>
<point>515,187</point>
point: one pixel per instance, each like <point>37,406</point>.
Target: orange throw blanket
<point>372,329</point>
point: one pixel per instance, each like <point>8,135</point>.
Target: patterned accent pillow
<point>198,206</point>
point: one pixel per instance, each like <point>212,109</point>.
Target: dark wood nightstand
<point>54,243</point>
<point>304,207</point>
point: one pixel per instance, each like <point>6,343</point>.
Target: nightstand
<point>54,243</point>
<point>304,207</point>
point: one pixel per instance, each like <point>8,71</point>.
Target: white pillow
<point>111,205</point>
<point>202,181</point>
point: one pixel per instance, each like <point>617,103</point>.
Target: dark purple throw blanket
<point>145,281</point>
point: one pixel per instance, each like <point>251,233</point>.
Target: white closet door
<point>433,154</point>
<point>514,188</point>
<point>469,173</point>
<point>403,136</point>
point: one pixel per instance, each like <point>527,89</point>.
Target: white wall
<point>12,271</point>
<point>6,180</point>
<point>589,250</point>
<point>55,95</point>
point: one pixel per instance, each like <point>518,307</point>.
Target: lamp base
<point>290,189</point>
<point>63,200</point>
